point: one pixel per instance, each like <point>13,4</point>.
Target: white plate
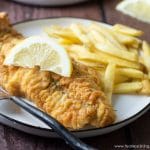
<point>128,107</point>
<point>49,2</point>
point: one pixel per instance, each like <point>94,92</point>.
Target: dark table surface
<point>136,133</point>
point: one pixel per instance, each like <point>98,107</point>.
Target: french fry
<point>65,41</point>
<point>108,34</point>
<point>127,39</point>
<point>91,64</point>
<point>141,60</point>
<point>116,52</point>
<point>105,59</point>
<point>59,31</point>
<point>146,55</point>
<point>62,33</point>
<point>118,38</point>
<point>136,44</point>
<point>109,80</point>
<point>133,50</point>
<point>80,35</point>
<point>127,30</point>
<point>129,72</point>
<point>146,87</point>
<point>79,49</point>
<point>104,45</point>
<point>128,87</point>
<point>85,55</point>
<point>121,78</point>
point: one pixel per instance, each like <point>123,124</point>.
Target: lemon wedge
<point>139,9</point>
<point>43,52</point>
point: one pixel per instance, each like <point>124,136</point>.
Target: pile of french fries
<point>122,59</point>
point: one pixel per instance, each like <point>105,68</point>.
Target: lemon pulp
<point>43,52</point>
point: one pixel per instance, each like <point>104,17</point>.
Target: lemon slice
<point>43,52</point>
<point>139,9</point>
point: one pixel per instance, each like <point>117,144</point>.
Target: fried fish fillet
<point>75,102</point>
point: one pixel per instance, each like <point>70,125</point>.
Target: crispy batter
<point>75,102</point>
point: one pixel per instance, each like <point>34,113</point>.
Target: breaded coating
<point>75,102</point>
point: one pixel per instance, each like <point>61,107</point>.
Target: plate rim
<point>145,109</point>
<point>57,17</point>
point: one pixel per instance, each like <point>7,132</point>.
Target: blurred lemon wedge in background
<point>43,52</point>
<point>139,9</point>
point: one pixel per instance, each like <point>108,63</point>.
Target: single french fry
<point>146,55</point>
<point>127,30</point>
<point>59,31</point>
<point>79,49</point>
<point>131,73</point>
<point>91,64</point>
<point>109,80</point>
<point>65,41</point>
<point>121,78</point>
<point>62,33</point>
<point>128,87</point>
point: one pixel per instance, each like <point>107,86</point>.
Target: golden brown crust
<point>75,102</point>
